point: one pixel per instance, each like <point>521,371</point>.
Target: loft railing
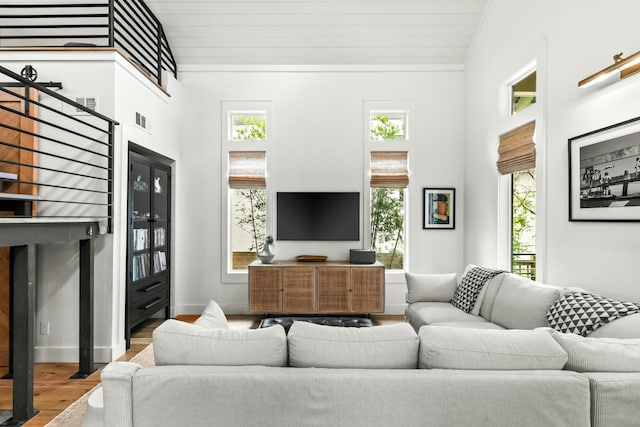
<point>128,25</point>
<point>524,265</point>
<point>56,155</point>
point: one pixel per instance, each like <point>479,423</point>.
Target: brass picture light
<point>626,66</point>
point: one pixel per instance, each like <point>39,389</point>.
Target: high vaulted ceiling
<point>325,32</point>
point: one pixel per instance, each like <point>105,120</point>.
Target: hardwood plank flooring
<point>54,391</point>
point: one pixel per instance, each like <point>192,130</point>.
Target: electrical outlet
<point>44,328</point>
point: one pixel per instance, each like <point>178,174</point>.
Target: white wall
<point>317,146</point>
<point>571,40</point>
<point>121,91</point>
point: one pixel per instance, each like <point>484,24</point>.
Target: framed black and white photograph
<point>438,210</point>
<point>604,174</point>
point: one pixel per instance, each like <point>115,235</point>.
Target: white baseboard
<point>70,354</point>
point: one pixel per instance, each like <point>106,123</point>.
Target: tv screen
<point>318,216</point>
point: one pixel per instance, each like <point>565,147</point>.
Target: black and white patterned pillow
<point>470,285</point>
<point>582,312</point>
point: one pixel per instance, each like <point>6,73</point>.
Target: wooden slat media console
<point>331,287</point>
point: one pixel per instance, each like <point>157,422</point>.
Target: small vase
<point>266,254</point>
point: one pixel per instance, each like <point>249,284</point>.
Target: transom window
<point>388,125</point>
<point>247,126</point>
<point>523,93</point>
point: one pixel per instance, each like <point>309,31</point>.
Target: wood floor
<point>54,391</point>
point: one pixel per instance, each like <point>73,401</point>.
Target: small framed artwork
<point>604,174</point>
<point>439,208</point>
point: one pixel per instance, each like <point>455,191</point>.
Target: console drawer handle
<point>151,304</point>
<point>152,287</point>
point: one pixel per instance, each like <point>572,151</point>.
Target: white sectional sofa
<point>507,301</point>
<point>498,367</point>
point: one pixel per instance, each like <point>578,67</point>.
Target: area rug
<point>72,416</point>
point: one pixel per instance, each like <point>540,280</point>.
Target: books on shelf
<point>140,268</point>
<point>140,239</point>
<point>159,237</point>
<point>159,262</point>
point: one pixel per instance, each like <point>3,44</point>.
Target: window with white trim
<point>389,181</point>
<point>388,125</point>
<point>245,151</point>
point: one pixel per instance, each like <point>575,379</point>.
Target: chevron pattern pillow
<point>470,285</point>
<point>582,312</point>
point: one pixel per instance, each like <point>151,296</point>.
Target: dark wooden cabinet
<point>148,239</point>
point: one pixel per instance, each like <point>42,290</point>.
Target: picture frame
<point>439,208</point>
<point>604,174</point>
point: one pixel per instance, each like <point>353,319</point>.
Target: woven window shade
<point>517,151</point>
<point>247,169</point>
<point>389,169</point>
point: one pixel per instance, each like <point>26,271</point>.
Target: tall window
<point>389,180</point>
<point>517,152</point>
<point>523,223</point>
<point>246,140</point>
<point>248,205</point>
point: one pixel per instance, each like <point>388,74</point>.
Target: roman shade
<point>517,150</point>
<point>247,169</point>
<point>389,169</point>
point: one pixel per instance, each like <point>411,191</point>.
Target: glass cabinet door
<point>141,212</point>
<point>161,215</point>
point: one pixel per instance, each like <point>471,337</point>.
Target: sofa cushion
<point>180,343</point>
<point>462,348</point>
<point>470,285</point>
<point>212,317</point>
<point>426,313</point>
<point>430,287</point>
<point>583,312</point>
<point>623,327</point>
<point>599,354</point>
<point>470,325</point>
<point>523,304</point>
<point>484,303</point>
<point>392,346</point>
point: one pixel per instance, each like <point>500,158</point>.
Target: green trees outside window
<point>387,225</point>
<point>388,204</point>
<point>523,223</point>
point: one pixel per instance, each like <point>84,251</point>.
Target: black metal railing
<point>524,265</point>
<point>128,25</point>
<point>56,159</point>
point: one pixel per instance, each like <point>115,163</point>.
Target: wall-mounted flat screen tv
<point>318,216</point>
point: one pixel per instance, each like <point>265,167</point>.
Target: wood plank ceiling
<point>325,32</point>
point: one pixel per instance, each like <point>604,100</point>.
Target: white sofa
<point>361,377</point>
<point>442,375</point>
<point>507,301</point>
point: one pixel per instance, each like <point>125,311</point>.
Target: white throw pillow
<point>180,343</point>
<point>430,287</point>
<point>212,317</point>
<point>599,354</point>
<point>443,347</point>
<point>392,346</point>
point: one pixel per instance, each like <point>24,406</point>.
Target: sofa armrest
<point>614,398</point>
<point>118,393</point>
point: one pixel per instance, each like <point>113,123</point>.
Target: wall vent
<point>88,101</point>
<point>143,122</point>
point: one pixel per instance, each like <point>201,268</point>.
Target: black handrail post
<point>159,53</point>
<point>112,14</point>
<point>110,179</point>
